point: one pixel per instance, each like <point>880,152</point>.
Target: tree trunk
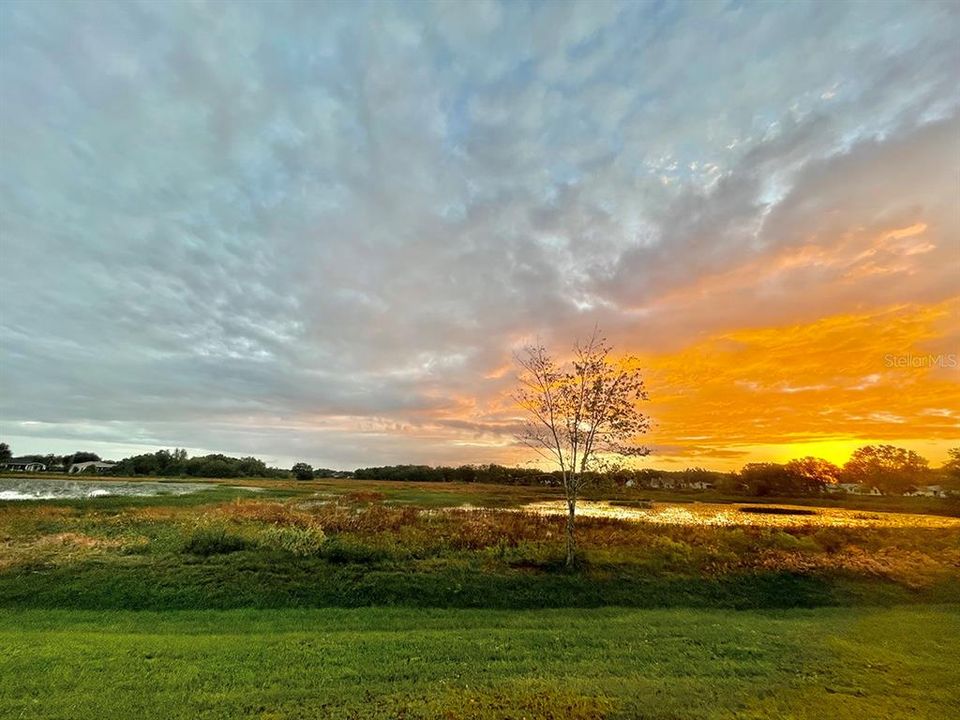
<point>571,538</point>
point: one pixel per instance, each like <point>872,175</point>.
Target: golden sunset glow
<point>822,389</point>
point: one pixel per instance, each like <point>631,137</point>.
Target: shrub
<point>787,541</point>
<point>831,539</point>
<point>213,540</point>
<point>302,542</point>
<point>673,555</point>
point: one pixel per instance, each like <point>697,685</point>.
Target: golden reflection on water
<point>730,514</point>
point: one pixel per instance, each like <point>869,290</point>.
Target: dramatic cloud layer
<point>318,231</point>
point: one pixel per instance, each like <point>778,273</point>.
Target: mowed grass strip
<point>420,663</point>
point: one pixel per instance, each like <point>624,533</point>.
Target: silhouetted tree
<point>579,412</point>
<point>5,453</point>
<point>761,479</point>
<point>251,467</point>
<point>302,471</point>
<point>950,472</point>
<point>952,466</point>
<point>79,457</point>
<point>50,460</point>
<point>811,475</point>
<point>886,467</point>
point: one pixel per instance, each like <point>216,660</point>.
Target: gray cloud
<point>318,230</point>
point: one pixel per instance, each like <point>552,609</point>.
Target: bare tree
<point>581,413</point>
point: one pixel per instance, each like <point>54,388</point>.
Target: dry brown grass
<point>365,496</point>
<point>11,511</point>
<point>78,540</point>
<point>159,513</point>
<point>59,548</point>
<point>474,530</point>
<point>264,511</point>
<point>372,519</point>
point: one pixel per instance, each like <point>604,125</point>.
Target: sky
<point>319,231</point>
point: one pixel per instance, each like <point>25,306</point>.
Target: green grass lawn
<point>404,663</point>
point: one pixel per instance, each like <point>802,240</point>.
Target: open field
<point>346,599</point>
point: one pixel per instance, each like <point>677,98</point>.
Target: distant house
<point>926,491</point>
<point>97,465</point>
<point>675,483</point>
<point>856,489</point>
<point>659,483</point>
<point>23,466</point>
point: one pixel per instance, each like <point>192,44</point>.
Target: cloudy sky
<point>317,231</point>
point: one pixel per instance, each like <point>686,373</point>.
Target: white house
<point>675,483</point>
<point>97,465</point>
<point>23,466</point>
<point>856,489</point>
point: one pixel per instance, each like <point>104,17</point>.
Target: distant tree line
<point>502,475</point>
<point>884,468</point>
<point>463,473</point>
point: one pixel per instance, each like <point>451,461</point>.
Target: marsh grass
<point>213,540</point>
<point>363,549</point>
<point>297,541</point>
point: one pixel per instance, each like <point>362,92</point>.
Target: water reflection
<point>34,489</point>
<point>732,514</point>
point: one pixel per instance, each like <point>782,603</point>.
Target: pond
<point>43,489</point>
<point>743,514</point>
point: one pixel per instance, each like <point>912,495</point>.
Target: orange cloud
<point>822,387</point>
